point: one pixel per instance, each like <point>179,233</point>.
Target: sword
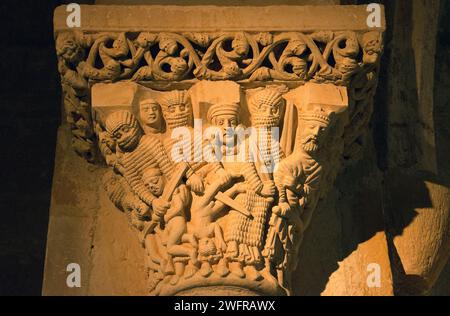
<point>225,199</point>
<point>169,189</point>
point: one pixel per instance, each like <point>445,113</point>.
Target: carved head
<point>265,107</point>
<point>224,116</point>
<point>178,66</point>
<point>265,38</point>
<point>146,39</point>
<point>68,48</point>
<point>313,127</point>
<point>240,44</point>
<point>231,69</point>
<point>177,109</point>
<point>296,47</point>
<point>168,45</point>
<point>371,43</point>
<point>299,67</point>
<point>206,247</point>
<point>154,180</point>
<point>150,113</point>
<point>124,129</point>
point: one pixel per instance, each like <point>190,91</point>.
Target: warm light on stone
<point>302,78</point>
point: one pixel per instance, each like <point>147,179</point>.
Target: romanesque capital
<point>219,136</point>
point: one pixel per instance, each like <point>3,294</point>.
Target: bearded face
<point>127,137</point>
<point>267,116</point>
<point>227,124</point>
<point>311,135</point>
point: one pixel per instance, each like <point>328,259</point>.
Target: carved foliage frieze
<point>343,58</point>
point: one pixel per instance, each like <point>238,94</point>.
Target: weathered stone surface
<point>351,279</point>
<point>412,136</point>
<point>86,229</point>
<point>213,18</point>
<point>183,69</point>
<point>234,233</point>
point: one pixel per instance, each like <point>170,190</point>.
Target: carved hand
<point>195,182</point>
<point>237,188</point>
<point>268,189</point>
<point>143,209</point>
<point>282,210</point>
<point>118,168</point>
<point>224,178</point>
<point>160,207</point>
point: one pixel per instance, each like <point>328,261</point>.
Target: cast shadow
<point>365,200</point>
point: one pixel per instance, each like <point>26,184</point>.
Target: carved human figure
<point>70,51</point>
<point>290,57</point>
<point>70,61</point>
<point>178,113</point>
<point>137,153</point>
<point>167,56</point>
<point>205,212</point>
<point>175,227</point>
<point>265,109</point>
<point>243,234</point>
<point>146,167</point>
<point>298,179</point>
<point>151,117</point>
<point>117,188</point>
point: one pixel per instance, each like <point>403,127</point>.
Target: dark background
<point>30,114</point>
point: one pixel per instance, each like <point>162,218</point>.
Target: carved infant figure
<point>178,113</point>
<point>174,226</point>
<point>137,153</point>
<point>205,228</point>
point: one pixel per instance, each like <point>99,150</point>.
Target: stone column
<point>292,85</point>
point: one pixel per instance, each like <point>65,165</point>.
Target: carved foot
<point>206,269</point>
<point>232,250</point>
<point>236,269</point>
<point>168,267</point>
<point>190,270</point>
<point>174,280</point>
<point>152,285</point>
<point>222,268</point>
<point>253,274</point>
<point>153,279</point>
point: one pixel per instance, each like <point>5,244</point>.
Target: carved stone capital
<point>221,134</point>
